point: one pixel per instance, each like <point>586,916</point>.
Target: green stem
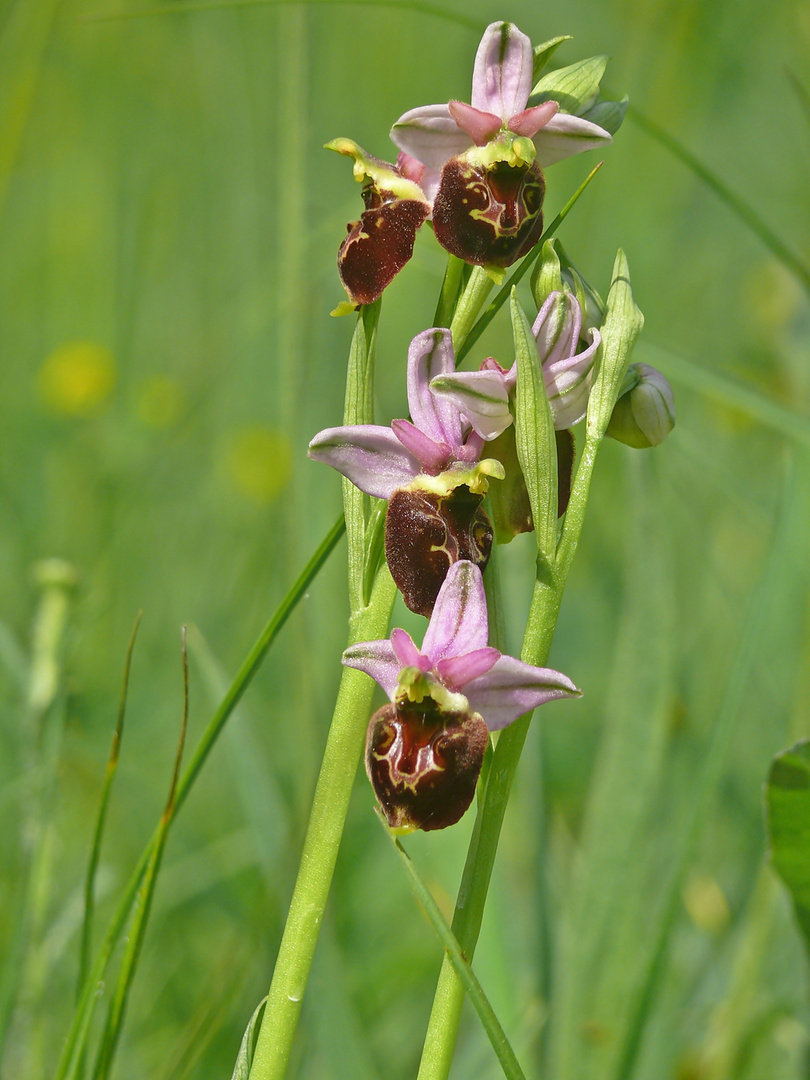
<point>469,304</point>
<point>549,585</point>
<point>330,804</point>
<point>448,297</point>
<point>344,745</point>
<point>74,1043</point>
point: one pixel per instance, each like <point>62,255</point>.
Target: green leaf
<point>575,87</point>
<point>787,798</point>
<point>486,1014</point>
<point>359,409</point>
<point>244,1059</point>
<point>546,277</point>
<point>544,52</point>
<point>622,326</point>
<point>608,114</point>
<point>534,434</point>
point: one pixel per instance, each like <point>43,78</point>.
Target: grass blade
<point>497,1036</point>
<point>217,5</point>
<point>733,394</point>
<point>744,212</point>
<point>80,1024</point>
<point>129,963</point>
<point>95,851</point>
<point>651,966</point>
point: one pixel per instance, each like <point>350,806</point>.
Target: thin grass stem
<point>95,850</point>
<point>77,1034</point>
<point>129,963</point>
<point>486,1014</point>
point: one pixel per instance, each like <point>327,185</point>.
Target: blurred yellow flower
<point>161,402</point>
<point>77,378</point>
<point>259,461</point>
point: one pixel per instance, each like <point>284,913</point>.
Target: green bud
<point>645,413</point>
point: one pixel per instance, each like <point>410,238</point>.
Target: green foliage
<point>787,795</point>
<point>244,1059</point>
<point>166,276</point>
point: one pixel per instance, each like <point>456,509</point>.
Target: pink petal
<point>482,396</point>
<point>556,328</point>
<point>530,121</point>
<point>430,134</point>
<point>432,456</point>
<point>427,179</point>
<point>406,652</point>
<point>456,671</point>
<point>565,135</point>
<point>502,77</point>
<point>458,624</point>
<point>568,384</point>
<point>377,659</point>
<point>372,457</point>
<point>512,688</point>
<point>480,126</point>
<point>431,354</point>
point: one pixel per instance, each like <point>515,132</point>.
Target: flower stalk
<point>619,334</point>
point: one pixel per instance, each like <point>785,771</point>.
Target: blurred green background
<point>169,226</point>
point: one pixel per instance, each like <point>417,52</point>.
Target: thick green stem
<point>621,329</point>
<point>344,745</point>
<point>444,1018</point>
<point>469,305</point>
<point>343,750</point>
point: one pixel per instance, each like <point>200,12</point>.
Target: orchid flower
<point>485,397</point>
<point>430,470</point>
<point>501,86</point>
<point>381,242</point>
<point>424,750</point>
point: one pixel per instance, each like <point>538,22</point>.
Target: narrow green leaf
<point>744,212</point>
<point>732,394</point>
<point>575,87</point>
<point>787,800</point>
<point>434,10</point>
<point>98,834</point>
<point>486,1014</point>
<point>132,953</point>
<point>622,326</point>
<point>609,114</point>
<point>546,276</point>
<point>83,1014</point>
<point>534,435</point>
<point>544,52</point>
<point>359,409</point>
<point>244,1059</point>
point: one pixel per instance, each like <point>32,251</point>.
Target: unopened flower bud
<point>645,413</point>
<point>423,762</point>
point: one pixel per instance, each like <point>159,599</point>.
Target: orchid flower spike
<point>429,469</point>
<point>486,397</point>
<point>487,208</point>
<point>424,749</point>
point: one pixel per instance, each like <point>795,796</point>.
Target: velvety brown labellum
<point>424,763</point>
<point>425,534</point>
<point>489,217</point>
<point>379,244</point>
